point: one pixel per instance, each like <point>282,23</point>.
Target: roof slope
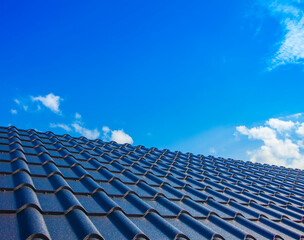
<point>60,187</point>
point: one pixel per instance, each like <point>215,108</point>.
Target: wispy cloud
<point>21,104</point>
<point>14,111</point>
<point>61,125</point>
<point>78,127</point>
<point>77,116</point>
<point>118,136</point>
<point>282,141</point>
<point>291,17</point>
<point>295,116</point>
<point>50,101</point>
<point>88,133</point>
<point>17,101</point>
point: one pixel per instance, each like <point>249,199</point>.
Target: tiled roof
<point>60,187</point>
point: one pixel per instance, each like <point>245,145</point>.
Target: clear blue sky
<point>171,74</point>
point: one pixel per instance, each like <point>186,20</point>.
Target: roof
<point>60,187</point>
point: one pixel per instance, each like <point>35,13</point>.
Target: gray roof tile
<point>60,187</point>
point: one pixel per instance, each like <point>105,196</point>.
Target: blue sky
<point>174,74</point>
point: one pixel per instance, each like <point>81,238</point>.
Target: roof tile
<point>60,187</point>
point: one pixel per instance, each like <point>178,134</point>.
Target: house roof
<point>61,187</point>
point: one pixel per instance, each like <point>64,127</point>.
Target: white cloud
<point>291,47</point>
<point>296,115</point>
<point>279,152</point>
<point>118,136</point>
<point>17,101</point>
<point>50,101</point>
<point>277,148</point>
<point>260,133</point>
<point>14,111</point>
<point>300,130</point>
<point>90,134</point>
<point>77,116</point>
<point>121,137</point>
<point>105,129</point>
<point>61,125</point>
<point>280,125</point>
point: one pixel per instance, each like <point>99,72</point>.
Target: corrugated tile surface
<point>60,187</point>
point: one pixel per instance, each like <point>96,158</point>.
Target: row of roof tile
<point>63,187</point>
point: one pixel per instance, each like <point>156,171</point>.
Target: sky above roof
<point>217,77</point>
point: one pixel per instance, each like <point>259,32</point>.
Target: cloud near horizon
<point>282,142</point>
<point>52,102</point>
<point>61,125</point>
<point>90,134</point>
<point>118,136</point>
